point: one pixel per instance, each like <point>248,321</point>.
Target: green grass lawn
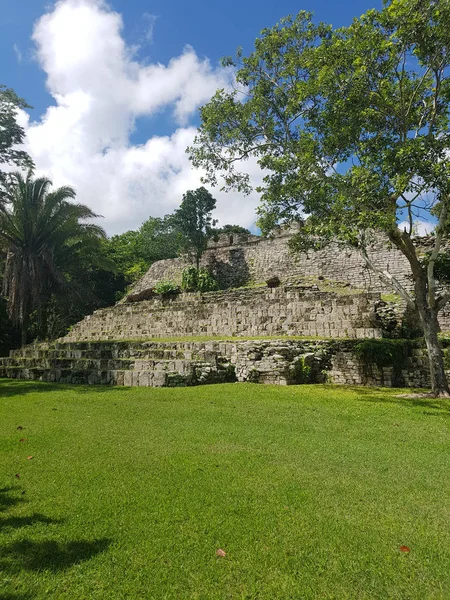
<point>310,490</point>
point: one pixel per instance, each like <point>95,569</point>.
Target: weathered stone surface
<point>238,259</point>
<point>287,310</point>
<point>90,353</point>
<point>169,364</point>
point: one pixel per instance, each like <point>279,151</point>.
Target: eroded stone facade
<point>333,318</point>
<point>170,364</point>
<point>240,259</point>
<point>285,311</point>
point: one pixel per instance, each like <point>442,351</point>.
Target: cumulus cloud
<point>100,90</point>
<point>420,227</point>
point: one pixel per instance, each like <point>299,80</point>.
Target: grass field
<point>311,492</point>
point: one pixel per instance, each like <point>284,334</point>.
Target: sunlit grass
<point>311,491</point>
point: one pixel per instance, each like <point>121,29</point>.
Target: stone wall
<point>169,364</point>
<point>286,310</point>
<point>236,260</point>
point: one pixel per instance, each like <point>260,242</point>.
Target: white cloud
<point>18,53</point>
<point>151,21</point>
<point>100,90</point>
<point>420,227</point>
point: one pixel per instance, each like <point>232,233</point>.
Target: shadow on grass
<point>33,555</point>
<point>9,498</point>
<point>15,522</point>
<point>20,387</point>
<point>433,406</point>
<point>48,555</point>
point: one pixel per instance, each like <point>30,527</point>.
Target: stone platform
<point>247,312</point>
<point>171,364</point>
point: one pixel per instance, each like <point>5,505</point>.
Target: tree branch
<point>386,277</point>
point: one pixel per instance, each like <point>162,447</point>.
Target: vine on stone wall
<point>384,353</point>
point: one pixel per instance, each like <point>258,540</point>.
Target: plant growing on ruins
<point>194,221</point>
<point>166,289</point>
<point>198,280</point>
<point>351,128</point>
<point>40,231</point>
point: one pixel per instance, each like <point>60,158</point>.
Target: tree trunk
<point>430,325</point>
<point>23,333</point>
<point>425,303</point>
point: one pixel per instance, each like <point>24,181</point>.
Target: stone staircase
<point>283,311</point>
<point>145,364</point>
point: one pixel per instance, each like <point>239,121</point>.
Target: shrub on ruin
<point>198,280</point>
<point>166,289</point>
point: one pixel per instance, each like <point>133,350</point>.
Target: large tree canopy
<point>12,135</point>
<point>40,230</point>
<point>194,221</point>
<point>352,129</point>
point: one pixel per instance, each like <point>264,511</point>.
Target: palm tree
<point>38,228</point>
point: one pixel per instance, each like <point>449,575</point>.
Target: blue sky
<point>103,123</point>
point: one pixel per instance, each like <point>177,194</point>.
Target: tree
<point>195,222</point>
<point>160,238</point>
<point>231,229</point>
<point>39,230</point>
<point>352,128</point>
<point>12,135</point>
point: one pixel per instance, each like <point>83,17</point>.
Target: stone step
<point>97,377</point>
<point>280,361</point>
<point>88,364</point>
<point>120,351</point>
<point>125,363</point>
<point>196,375</point>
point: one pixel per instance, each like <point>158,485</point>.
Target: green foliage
<point>195,222</point>
<point>189,279</point>
<point>347,123</point>
<point>41,232</point>
<point>166,288</point>
<point>12,136</point>
<point>9,337</point>
<point>206,282</point>
<point>133,252</point>
<point>231,229</point>
<point>392,298</point>
<point>160,238</point>
<point>383,353</point>
<point>301,372</point>
<point>198,280</point>
<point>352,128</point>
<point>442,268</point>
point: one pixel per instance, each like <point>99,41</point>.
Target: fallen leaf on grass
<point>29,457</point>
<point>23,440</point>
<point>17,475</point>
<point>405,549</point>
<point>221,552</point>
